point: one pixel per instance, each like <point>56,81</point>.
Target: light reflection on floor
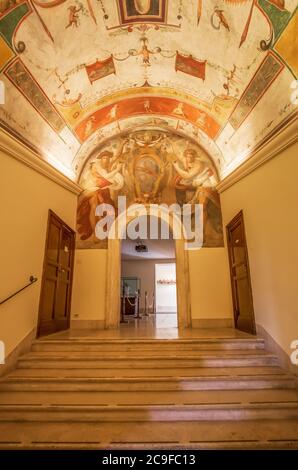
<point>159,320</point>
<point>146,328</point>
<point>166,320</point>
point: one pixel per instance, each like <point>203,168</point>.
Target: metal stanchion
<point>153,304</point>
<point>122,318</point>
<point>137,303</point>
<point>146,308</point>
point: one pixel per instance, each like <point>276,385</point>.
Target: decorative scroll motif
<point>9,23</point>
<point>276,15</point>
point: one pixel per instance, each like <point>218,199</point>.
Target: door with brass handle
<point>54,312</point>
<point>240,275</point>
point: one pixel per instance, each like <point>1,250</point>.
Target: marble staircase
<point>81,392</point>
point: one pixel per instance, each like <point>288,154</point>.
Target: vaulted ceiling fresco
<point>78,72</point>
<point>148,167</point>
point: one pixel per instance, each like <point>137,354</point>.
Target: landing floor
<point>139,329</point>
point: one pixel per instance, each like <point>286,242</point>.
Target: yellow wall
<point>89,287</point>
<point>25,197</point>
<point>210,284</point>
<point>269,198</point>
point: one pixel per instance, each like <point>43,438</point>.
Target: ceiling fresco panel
<point>21,78</point>
<point>150,105</point>
<point>265,75</point>
<point>142,11</point>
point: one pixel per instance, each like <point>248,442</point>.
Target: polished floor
<point>166,320</point>
<point>158,320</point>
<point>138,329</point>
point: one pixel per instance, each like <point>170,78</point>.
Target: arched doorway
<point>148,275</point>
<point>112,319</point>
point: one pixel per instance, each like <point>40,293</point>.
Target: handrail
<point>32,279</point>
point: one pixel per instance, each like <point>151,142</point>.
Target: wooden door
<point>55,297</point>
<point>240,276</point>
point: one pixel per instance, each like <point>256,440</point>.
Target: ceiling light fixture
<point>141,247</point>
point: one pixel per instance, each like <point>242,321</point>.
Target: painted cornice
<point>14,148</point>
<point>281,138</point>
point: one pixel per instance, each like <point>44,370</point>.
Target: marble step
<point>147,344</point>
<point>256,434</point>
<point>143,413</point>
<point>139,384</point>
<point>145,362</point>
<point>146,354</point>
<point>166,397</point>
<point>75,372</point>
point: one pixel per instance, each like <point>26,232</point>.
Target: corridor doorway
<point>112,318</point>
<point>148,278</point>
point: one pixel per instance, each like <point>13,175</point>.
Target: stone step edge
<point>163,413</point>
<point>139,408</point>
<point>165,341</point>
<point>33,357</point>
<point>283,376</point>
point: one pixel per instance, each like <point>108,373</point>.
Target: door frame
<point>239,219</point>
<point>52,214</point>
<point>112,310</point>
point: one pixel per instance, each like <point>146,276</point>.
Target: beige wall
<point>209,281</point>
<point>269,199</point>
<point>210,284</point>
<point>89,286</point>
<point>25,197</point>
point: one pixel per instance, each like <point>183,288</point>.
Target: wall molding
<point>87,324</point>
<point>280,139</point>
<point>212,323</point>
<point>23,347</point>
<point>14,148</point>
